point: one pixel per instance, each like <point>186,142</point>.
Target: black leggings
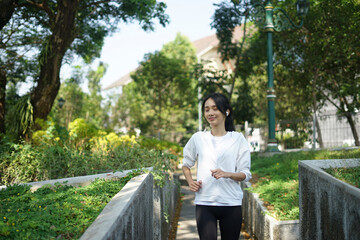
<point>230,219</point>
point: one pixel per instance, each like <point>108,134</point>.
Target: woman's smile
<point>211,118</point>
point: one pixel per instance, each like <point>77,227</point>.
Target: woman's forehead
<point>210,103</point>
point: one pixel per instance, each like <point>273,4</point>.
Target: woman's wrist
<point>237,176</point>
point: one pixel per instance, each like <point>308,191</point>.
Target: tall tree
<point>73,99</point>
<point>228,16</point>
<point>165,81</point>
<point>314,55</point>
<point>7,8</point>
<point>16,62</point>
<point>77,27</point>
<point>94,111</point>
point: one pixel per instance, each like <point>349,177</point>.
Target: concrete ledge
<point>260,224</point>
<point>329,208</point>
<point>128,215</point>
<point>77,181</point>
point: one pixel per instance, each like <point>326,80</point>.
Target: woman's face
<point>213,114</point>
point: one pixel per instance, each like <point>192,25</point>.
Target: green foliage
<point>318,69</point>
<point>22,117</point>
<point>210,79</point>
<point>167,147</point>
<point>20,163</point>
<point>291,141</point>
<point>153,143</point>
<point>80,104</point>
<point>75,99</point>
<point>349,175</point>
<point>162,97</point>
<point>39,36</point>
<point>51,133</point>
<point>276,178</point>
<point>58,212</point>
<point>95,113</point>
<point>309,65</point>
<point>81,131</point>
<point>84,150</point>
<point>227,16</point>
<point>112,140</point>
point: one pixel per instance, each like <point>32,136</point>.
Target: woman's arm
<point>194,186</point>
<point>218,173</point>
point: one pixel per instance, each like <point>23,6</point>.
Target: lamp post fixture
<point>61,102</point>
<point>275,19</point>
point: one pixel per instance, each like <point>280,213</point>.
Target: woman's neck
<point>218,132</point>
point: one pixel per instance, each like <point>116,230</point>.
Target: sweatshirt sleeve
<point>190,153</point>
<point>243,161</point>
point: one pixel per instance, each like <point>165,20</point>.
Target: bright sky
<point>125,49</point>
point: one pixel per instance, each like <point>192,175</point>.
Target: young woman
<point>223,157</point>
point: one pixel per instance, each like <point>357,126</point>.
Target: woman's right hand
<point>195,186</point>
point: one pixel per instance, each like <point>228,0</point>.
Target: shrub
<point>153,143</point>
<point>111,140</point>
<point>50,133</point>
<point>21,163</point>
<point>26,163</point>
<point>81,132</point>
<point>57,153</point>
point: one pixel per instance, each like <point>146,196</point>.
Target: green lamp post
<point>275,19</point>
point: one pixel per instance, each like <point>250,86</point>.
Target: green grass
<point>59,212</point>
<point>276,179</point>
<point>348,175</point>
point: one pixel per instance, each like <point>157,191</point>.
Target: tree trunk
<point>318,130</point>
<point>2,100</point>
<point>63,34</point>
<point>353,128</point>
<point>238,56</point>
<point>7,8</point>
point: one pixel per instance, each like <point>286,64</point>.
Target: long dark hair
<point>222,103</point>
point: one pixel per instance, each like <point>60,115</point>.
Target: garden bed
<point>141,210</point>
<point>276,179</point>
<point>260,223</point>
<point>58,211</point>
<point>272,200</point>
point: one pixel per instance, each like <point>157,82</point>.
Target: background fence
<point>324,131</point>
<point>328,131</point>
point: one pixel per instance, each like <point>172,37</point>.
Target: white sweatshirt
<point>233,156</point>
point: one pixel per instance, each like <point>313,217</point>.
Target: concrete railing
<point>138,211</point>
<point>329,208</point>
<point>260,224</point>
<point>141,210</point>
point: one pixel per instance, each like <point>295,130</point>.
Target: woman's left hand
<point>218,173</point>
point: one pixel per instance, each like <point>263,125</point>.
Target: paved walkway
<point>187,223</point>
